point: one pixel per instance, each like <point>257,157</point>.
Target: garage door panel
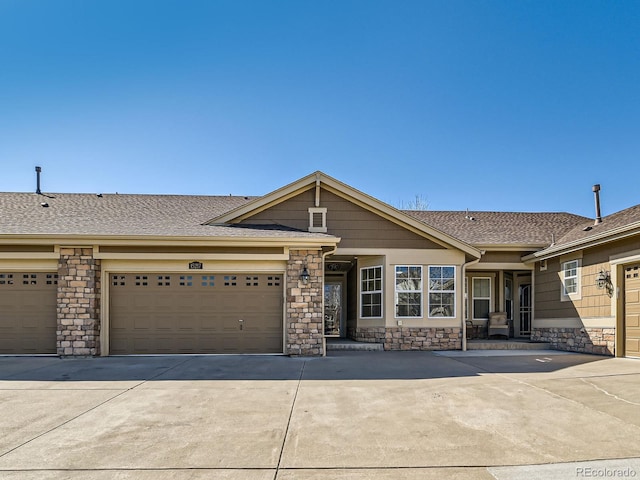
<point>28,318</point>
<point>632,311</point>
<point>196,313</point>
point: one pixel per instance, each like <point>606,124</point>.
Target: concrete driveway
<point>352,415</point>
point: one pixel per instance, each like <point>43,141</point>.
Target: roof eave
<point>592,241</point>
<point>166,240</point>
<point>512,247</point>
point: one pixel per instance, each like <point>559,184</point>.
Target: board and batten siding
<point>355,225</point>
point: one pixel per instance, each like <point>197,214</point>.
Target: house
<point>109,274</point>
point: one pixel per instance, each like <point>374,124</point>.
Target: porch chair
<point>498,324</point>
<point>470,332</point>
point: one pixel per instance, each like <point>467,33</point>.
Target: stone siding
<point>411,338</point>
<point>600,341</point>
<point>78,311</point>
<point>304,304</point>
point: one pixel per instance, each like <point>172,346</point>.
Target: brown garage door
<point>212,313</point>
<point>28,304</point>
<point>632,311</point>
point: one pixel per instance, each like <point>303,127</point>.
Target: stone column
<point>304,304</point>
<point>78,303</point>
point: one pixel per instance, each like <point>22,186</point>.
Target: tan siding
<point>593,302</point>
<point>356,226</point>
<point>619,247</point>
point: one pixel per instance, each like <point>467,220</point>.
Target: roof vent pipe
<point>596,192</point>
<point>38,170</point>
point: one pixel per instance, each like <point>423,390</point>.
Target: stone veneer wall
<point>411,338</point>
<point>78,303</point>
<point>600,341</point>
<point>304,304</point>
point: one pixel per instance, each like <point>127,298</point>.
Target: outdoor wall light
<point>603,280</point>
<point>304,276</point>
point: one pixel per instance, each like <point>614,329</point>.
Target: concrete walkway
<point>351,415</point>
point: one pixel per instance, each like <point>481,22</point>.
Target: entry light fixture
<point>603,280</point>
<point>304,276</point>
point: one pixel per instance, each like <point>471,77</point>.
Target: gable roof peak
<point>321,179</point>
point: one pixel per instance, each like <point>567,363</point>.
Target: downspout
<point>324,340</point>
<point>464,322</point>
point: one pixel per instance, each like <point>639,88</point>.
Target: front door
<point>333,311</point>
<point>522,324</point>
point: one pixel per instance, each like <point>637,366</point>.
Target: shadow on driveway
<point>336,366</point>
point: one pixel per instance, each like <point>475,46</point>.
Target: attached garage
<point>632,311</point>
<point>28,319</point>
<point>169,313</point>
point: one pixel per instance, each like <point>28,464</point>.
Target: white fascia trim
<point>511,247</point>
<point>159,240</point>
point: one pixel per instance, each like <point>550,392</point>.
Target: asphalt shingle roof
<point>126,215</point>
<point>587,229</point>
<point>500,228</point>
<point>183,216</point>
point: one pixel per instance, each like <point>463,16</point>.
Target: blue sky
<point>486,105</point>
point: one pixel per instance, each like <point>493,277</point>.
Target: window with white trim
<point>481,295</point>
<point>571,279</point>
<point>408,291</point>
<point>442,291</point>
<point>371,292</point>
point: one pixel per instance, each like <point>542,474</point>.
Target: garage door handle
<point>241,323</point>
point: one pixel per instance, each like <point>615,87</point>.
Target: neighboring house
<point>86,274</point>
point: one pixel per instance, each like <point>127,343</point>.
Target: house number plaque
<point>195,266</point>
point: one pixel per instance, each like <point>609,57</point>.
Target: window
<point>481,297</point>
<point>442,292</point>
<point>371,292</point>
<point>408,291</point>
<point>570,278</point>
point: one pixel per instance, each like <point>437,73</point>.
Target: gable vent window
<point>318,219</point>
